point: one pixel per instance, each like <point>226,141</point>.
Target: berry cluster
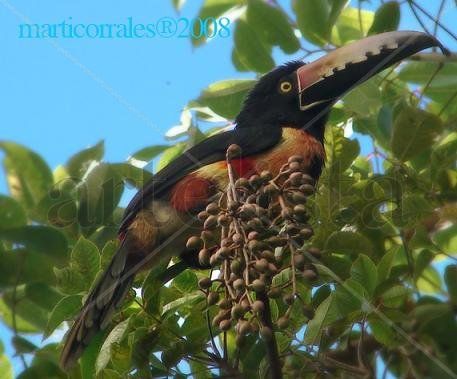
<point>254,231</point>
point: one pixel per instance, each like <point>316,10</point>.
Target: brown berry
<point>204,257</point>
<point>295,158</point>
<point>308,311</point>
<point>294,166</point>
<point>258,306</point>
<point>225,304</point>
<point>194,243</point>
<point>210,223</point>
<point>233,151</point>
<point>204,283</point>
<point>261,265</point>
<point>202,215</point>
<point>289,299</point>
<point>268,255</point>
<point>315,252</point>
<point>224,325</point>
<point>283,322</point>
<point>212,209</point>
<point>223,220</point>
<point>271,189</point>
<point>299,261</point>
<point>213,298</point>
<point>258,285</point>
<point>241,183</point>
<point>243,327</point>
<point>295,178</point>
<point>274,293</point>
<point>298,198</point>
<point>266,333</point>
<point>309,275</point>
<point>236,266</point>
<point>224,252</point>
<point>239,284</point>
<point>237,312</point>
<point>266,176</point>
<point>307,189</point>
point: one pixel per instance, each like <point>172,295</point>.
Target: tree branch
<point>434,57</point>
<point>271,345</point>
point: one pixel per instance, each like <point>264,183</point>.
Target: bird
<point>284,114</point>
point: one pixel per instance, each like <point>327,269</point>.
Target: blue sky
<point>60,98</point>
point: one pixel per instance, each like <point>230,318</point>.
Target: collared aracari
<point>283,115</point>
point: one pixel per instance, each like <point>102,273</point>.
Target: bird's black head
<point>274,100</point>
<point>300,95</point>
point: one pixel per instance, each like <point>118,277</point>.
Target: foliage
<point>385,224</point>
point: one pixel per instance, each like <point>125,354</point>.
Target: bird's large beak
<point>329,77</point>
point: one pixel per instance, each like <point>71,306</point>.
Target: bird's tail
<point>104,299</point>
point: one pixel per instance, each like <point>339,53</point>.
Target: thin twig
<point>446,29</point>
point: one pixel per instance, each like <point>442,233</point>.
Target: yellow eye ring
<point>285,87</point>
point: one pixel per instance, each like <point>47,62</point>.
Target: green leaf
<point>226,97</point>
<point>430,281</point>
<point>210,9</point>
<point>99,195</point>
<point>186,281</point>
<point>385,265</point>
<point>424,258</point>
<point>22,346</point>
<point>282,278</point>
<point>272,26</point>
<point>70,281</point>
<point>89,358</point>
<point>79,163</point>
<point>386,18</point>
<point>22,325</point>
<point>59,209</point>
<point>348,243</point>
<point>170,154</point>
<point>250,50</point>
<point>450,277</point>
<point>64,310</point>
<point>364,272</point>
<point>382,331</point>
<point>85,259</point>
<point>6,368</point>
<point>29,177</point>
<point>312,20</point>
<point>187,301</point>
<point>34,267</point>
<point>115,337</point>
<point>446,239</point>
<point>25,308</point>
<point>43,295</point>
<point>394,296</point>
<point>413,130</point>
<point>12,214</point>
<point>364,99</point>
<point>348,298</point>
<point>41,239</point>
<point>178,4</point>
<point>351,25</point>
<point>133,175</point>
<point>322,317</point>
<point>148,153</point>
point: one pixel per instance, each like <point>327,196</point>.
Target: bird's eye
<point>285,87</point>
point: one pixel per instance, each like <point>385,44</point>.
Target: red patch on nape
<point>190,193</point>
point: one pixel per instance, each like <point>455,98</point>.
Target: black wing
<point>251,140</point>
